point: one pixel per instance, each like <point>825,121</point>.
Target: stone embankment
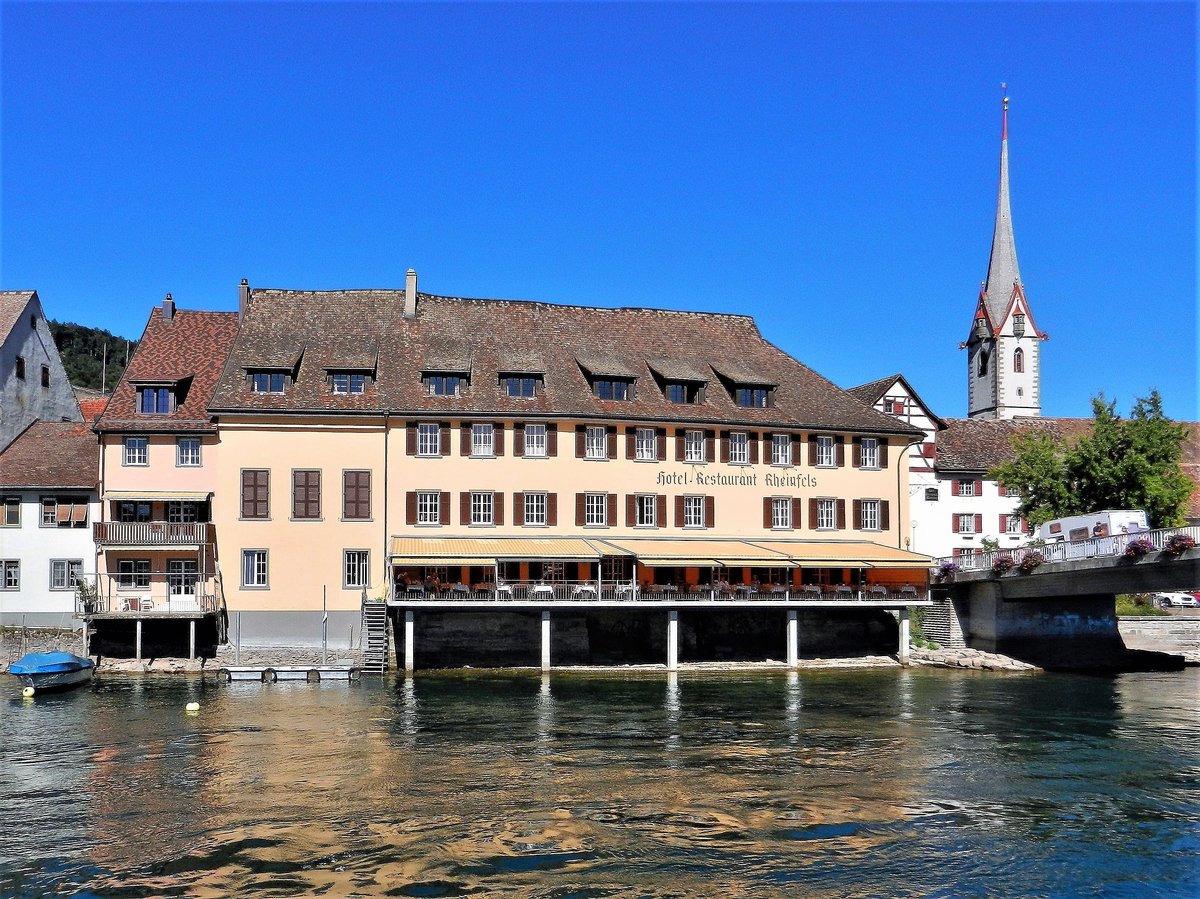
<point>968,658</point>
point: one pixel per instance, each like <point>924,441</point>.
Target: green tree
<point>1121,464</point>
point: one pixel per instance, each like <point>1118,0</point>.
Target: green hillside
<point>82,351</point>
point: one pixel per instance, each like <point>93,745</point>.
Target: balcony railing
<point>1067,551</point>
<point>147,604</point>
<point>591,591</point>
<point>152,533</point>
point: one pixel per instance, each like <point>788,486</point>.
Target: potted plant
<point>1002,564</point>
<point>1178,543</point>
<point>946,571</point>
<point>1030,561</point>
<point>1138,547</point>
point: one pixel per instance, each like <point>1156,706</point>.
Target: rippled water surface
<point>865,783</point>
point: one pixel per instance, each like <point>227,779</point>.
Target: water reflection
<point>814,783</point>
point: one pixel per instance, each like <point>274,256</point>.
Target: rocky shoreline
<point>973,659</point>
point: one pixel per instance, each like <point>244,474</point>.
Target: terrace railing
<point>152,533</point>
<point>590,591</point>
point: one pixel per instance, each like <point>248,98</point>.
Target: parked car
<point>1182,600</point>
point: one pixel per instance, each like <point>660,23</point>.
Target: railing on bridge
<point>1064,551</point>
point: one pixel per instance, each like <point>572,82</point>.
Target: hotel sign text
<point>693,478</point>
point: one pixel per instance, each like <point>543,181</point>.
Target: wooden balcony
<point>152,533</point>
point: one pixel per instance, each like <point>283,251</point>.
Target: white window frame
<point>966,488</point>
<point>483,439</point>
<point>535,441</point>
<point>967,518</point>
<point>10,503</point>
<point>826,453</point>
<point>260,579</point>
<point>10,574</point>
<point>693,511</point>
<point>356,569</point>
<point>693,446</point>
<point>65,573</point>
<point>182,575</point>
<point>535,509</point>
<point>781,449</point>
<point>645,445</point>
<point>483,508</point>
<point>645,510</point>
<point>826,514</point>
<point>781,512</point>
<point>869,515</point>
<point>344,383</point>
<point>429,507</point>
<point>429,439</point>
<point>135,451</point>
<point>595,510</point>
<point>595,442</point>
<point>192,457</point>
<point>739,448</point>
<point>1012,524</point>
<point>869,452</point>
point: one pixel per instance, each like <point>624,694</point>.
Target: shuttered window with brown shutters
<point>841,514</point>
<point>444,437</point>
<point>498,439</point>
<point>660,510</point>
<point>768,512</point>
<point>630,510</point>
<point>519,508</point>
<point>611,518</point>
<point>680,441</point>
<point>660,444</point>
<point>552,509</point>
<point>444,508</point>
<point>797,507</point>
<point>580,441</point>
<point>679,511</point>
<point>464,442</point>
<point>410,507</point>
<point>856,453</point>
<point>630,443</point>
<point>885,515</point>
<point>518,440</point>
<point>306,493</point>
<point>464,508</point>
<point>580,508</point>
<point>410,438</point>
<point>611,435</point>
<point>710,512</point>
<point>753,440</point>
<point>256,493</point>
<point>356,495</point>
<point>551,440</point>
<point>857,509</point>
<point>883,452</point>
<point>724,446</point>
<point>839,448</point>
<point>498,508</point>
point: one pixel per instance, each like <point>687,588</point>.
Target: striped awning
<point>150,496</point>
<point>659,552</point>
<point>489,550</point>
<point>845,554</point>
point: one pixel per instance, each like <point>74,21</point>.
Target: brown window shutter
<point>552,509</point>
<point>856,454</point>
<point>954,488</point>
<point>444,437</point>
<point>885,517</point>
<point>410,438</point>
<point>883,459</point>
<point>839,451</point>
<point>679,511</point>
<point>797,502</point>
<point>630,510</point>
<point>518,508</point>
<point>812,514</point>
<point>753,440</point>
<point>410,507</point>
<point>841,514</point>
<point>954,523</point>
<point>464,438</point>
<point>498,439</point>
<point>611,435</point>
<point>580,441</point>
<point>610,518</point>
<point>518,440</point>
<point>710,512</point>
<point>630,442</point>
<point>298,485</point>
<point>858,515</point>
<point>248,494</point>
<point>978,524</point>
<point>660,444</point>
<point>349,494</point>
<point>579,509</point>
<point>551,441</point>
<point>679,440</point>
<point>444,508</point>
<point>1003,523</point>
<point>812,449</point>
<point>498,508</point>
<point>724,446</point>
<point>464,508</point>
<point>768,518</point>
<point>660,510</point>
<point>710,446</point>
<point>979,488</point>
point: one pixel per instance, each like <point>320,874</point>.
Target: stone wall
<point>1171,628</point>
<point>16,642</point>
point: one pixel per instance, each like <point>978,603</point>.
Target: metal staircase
<point>374,638</point>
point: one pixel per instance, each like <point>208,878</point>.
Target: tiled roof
<point>92,407</point>
<point>489,334</point>
<point>871,393</point>
<point>190,348</point>
<point>52,454</point>
<point>12,304</point>
<point>980,444</point>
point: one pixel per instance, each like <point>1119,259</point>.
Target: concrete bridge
<point>1057,608</point>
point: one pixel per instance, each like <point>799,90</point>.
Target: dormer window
<point>268,381</point>
<point>445,385</point>
<point>612,388</point>
<point>521,386</point>
<point>682,392</point>
<point>749,397</point>
<point>345,382</point>
<point>156,400</point>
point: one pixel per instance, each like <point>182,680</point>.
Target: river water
<point>825,783</point>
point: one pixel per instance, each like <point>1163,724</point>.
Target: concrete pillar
<point>137,646</point>
<point>546,640</point>
<point>409,637</point>
<point>793,638</point>
<point>902,654</point>
<point>192,638</point>
<point>672,640</point>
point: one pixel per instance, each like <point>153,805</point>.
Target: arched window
<point>1018,359</point>
<point>983,362</point>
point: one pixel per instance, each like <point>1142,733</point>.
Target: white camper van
<point>1120,524</point>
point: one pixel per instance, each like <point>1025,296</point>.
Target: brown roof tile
<point>190,348</point>
<point>52,454</point>
<point>334,324</point>
<point>12,304</point>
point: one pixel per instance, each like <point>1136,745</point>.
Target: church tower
<point>1004,377</point>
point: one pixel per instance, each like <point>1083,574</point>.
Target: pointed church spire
<point>1002,266</point>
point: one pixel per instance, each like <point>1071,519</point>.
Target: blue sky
<point>829,169</point>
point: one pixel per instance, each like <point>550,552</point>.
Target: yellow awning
<point>699,553</point>
<point>845,553</point>
<point>157,495</point>
<point>487,550</point>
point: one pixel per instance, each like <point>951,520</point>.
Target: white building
<point>48,501</point>
<point>33,383</point>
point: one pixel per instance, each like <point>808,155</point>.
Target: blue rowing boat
<point>52,670</point>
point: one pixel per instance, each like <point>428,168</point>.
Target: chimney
<point>243,298</point>
<point>168,308</point>
<point>410,294</point>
